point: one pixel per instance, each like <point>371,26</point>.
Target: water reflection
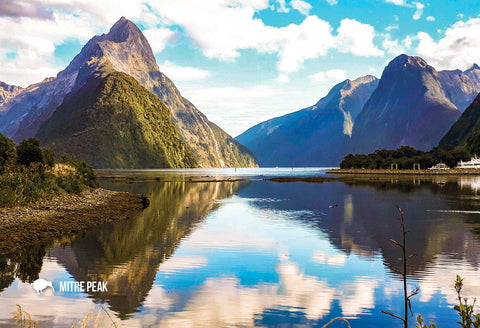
<point>262,253</point>
<point>128,254</point>
<point>441,214</point>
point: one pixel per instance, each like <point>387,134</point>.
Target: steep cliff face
<point>461,87</point>
<point>409,107</point>
<point>314,136</point>
<point>123,49</point>
<point>114,122</point>
<point>466,130</point>
<point>8,91</point>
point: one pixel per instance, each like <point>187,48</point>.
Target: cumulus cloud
<point>21,8</point>
<point>392,46</point>
<point>357,38</point>
<point>330,75</point>
<point>311,39</point>
<point>158,38</point>
<point>332,2</point>
<point>35,38</point>
<point>302,6</point>
<point>430,18</point>
<point>183,73</point>
<point>458,48</point>
<point>419,10</point>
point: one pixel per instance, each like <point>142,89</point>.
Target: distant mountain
<point>466,130</point>
<point>114,122</point>
<point>409,107</point>
<point>8,91</point>
<point>314,136</point>
<point>123,49</point>
<point>461,87</point>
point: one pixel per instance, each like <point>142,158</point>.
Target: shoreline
<point>405,172</point>
<point>24,226</point>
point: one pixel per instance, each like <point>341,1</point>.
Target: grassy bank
<point>29,173</point>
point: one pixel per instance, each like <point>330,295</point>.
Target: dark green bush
<point>405,157</point>
<point>29,151</point>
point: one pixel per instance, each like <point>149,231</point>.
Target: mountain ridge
<point>315,135</point>
<point>125,49</point>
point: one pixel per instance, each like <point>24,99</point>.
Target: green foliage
<point>405,157</point>
<point>420,323</point>
<point>32,177</point>
<point>8,151</point>
<point>473,142</point>
<point>115,122</point>
<point>83,172</point>
<point>465,311</point>
<point>29,151</point>
<point>48,157</point>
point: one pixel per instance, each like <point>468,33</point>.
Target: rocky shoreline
<point>22,227</point>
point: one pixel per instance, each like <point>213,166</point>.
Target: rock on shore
<point>21,227</point>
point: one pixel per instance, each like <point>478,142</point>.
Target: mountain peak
<point>405,62</point>
<point>122,30</point>
<point>473,68</point>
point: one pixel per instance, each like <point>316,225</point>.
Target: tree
<point>8,151</point>
<point>29,151</point>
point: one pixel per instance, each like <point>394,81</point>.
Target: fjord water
<point>250,252</point>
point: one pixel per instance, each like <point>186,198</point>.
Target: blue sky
<point>243,61</point>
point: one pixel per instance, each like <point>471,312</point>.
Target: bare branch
<point>393,315</point>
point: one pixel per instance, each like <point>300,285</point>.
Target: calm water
<point>259,253</point>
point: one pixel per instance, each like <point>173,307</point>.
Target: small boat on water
<point>439,166</point>
<point>474,163</point>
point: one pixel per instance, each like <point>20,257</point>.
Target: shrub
<point>8,151</point>
<point>29,151</point>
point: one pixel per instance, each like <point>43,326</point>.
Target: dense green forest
<point>405,157</point>
<point>30,173</point>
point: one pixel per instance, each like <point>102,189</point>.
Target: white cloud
<point>459,48</point>
<point>302,6</point>
<point>332,2</point>
<point>391,27</point>
<point>392,46</point>
<point>330,75</point>
<point>282,7</point>
<point>419,10</point>
<point>34,41</point>
<point>430,18</point>
<point>37,36</point>
<point>311,39</point>
<point>158,38</point>
<point>397,2</point>
<point>182,73</point>
<point>283,78</point>
<point>357,38</point>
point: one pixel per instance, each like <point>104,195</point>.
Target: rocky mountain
<point>114,122</point>
<point>466,130</point>
<point>461,87</point>
<point>409,107</point>
<point>313,136</point>
<point>8,91</point>
<point>123,49</point>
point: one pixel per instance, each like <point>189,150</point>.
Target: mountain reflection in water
<point>261,253</point>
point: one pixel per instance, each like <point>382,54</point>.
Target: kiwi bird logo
<point>41,284</point>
